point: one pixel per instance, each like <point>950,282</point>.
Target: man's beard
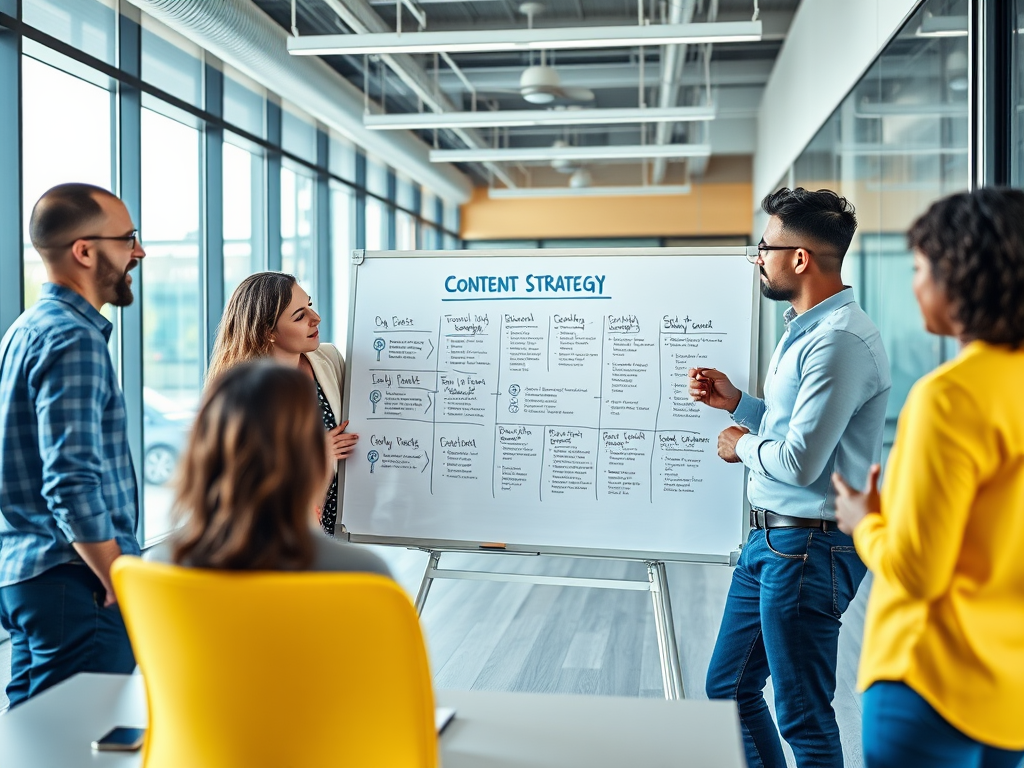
<point>111,277</point>
<point>776,293</point>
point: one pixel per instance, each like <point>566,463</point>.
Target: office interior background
<point>183,110</point>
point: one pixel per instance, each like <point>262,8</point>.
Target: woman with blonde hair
<point>942,664</point>
<point>255,463</point>
<point>269,315</point>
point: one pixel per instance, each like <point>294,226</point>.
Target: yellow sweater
<point>946,613</point>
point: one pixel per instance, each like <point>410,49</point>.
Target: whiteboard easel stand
<point>656,584</point>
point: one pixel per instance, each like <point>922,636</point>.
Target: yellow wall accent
<point>710,209</point>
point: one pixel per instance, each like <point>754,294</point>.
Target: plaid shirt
<point>65,470</point>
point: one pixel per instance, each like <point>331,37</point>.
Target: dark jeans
<point>782,618</point>
<point>902,730</point>
<point>58,628</point>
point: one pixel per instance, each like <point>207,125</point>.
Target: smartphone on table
<point>120,739</point>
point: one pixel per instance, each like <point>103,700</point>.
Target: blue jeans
<point>782,618</point>
<point>902,730</point>
<point>59,628</point>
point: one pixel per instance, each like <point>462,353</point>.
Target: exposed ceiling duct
<point>358,15</point>
<point>680,12</point>
<point>240,34</point>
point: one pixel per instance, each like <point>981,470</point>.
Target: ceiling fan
<point>540,83</point>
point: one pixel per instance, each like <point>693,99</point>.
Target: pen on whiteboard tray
<point>492,545</point>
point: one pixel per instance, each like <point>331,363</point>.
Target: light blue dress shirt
<point>823,410</point>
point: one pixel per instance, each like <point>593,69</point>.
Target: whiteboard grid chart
<point>539,399</point>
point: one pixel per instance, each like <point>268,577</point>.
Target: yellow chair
<point>311,670</point>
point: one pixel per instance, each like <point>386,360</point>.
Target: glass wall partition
<point>1016,105</point>
<point>898,142</point>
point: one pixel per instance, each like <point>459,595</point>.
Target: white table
<point>490,730</point>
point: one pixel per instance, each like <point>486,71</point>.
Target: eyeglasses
<point>760,251</point>
<point>131,239</point>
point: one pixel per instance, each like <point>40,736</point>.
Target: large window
<point>405,231</point>
<point>171,333</point>
<point>243,214</point>
<point>78,124</point>
<point>243,103</point>
<point>88,25</point>
<point>376,223</point>
<point>59,151</point>
<point>171,62</point>
<point>343,241</point>
<point>451,223</point>
<point>298,230</point>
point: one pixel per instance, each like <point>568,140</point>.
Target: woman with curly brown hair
<point>942,663</point>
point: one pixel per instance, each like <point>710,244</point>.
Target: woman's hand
<point>853,506</point>
<point>341,444</point>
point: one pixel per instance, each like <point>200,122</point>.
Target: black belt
<point>765,518</point>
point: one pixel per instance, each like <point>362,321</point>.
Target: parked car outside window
<point>166,428</point>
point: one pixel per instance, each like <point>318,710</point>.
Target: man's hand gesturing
<point>713,388</point>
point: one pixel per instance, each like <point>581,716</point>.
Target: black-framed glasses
<point>131,239</point>
<point>760,251</point>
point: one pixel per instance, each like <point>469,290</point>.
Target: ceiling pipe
<point>673,56</point>
<point>595,152</point>
<point>239,33</point>
<point>358,15</point>
<point>728,73</point>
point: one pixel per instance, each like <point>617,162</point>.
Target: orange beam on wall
<point>709,209</point>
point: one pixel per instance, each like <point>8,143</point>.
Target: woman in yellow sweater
<point>942,664</point>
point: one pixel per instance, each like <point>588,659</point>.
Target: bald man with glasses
<point>68,494</point>
<point>823,411</point>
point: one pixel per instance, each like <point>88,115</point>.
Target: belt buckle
<point>760,523</point>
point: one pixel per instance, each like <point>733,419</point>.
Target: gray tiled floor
<point>522,637</point>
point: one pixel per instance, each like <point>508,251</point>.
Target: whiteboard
<point>539,399</point>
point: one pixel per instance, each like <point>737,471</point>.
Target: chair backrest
<point>277,669</point>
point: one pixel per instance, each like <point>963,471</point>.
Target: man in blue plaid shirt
<point>68,497</point>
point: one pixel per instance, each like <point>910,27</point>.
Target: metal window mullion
<point>390,212</point>
<point>361,197</point>
<point>211,275</point>
<point>438,243</point>
<point>322,218</point>
<point>129,130</point>
<point>992,47</point>
<point>417,205</point>
<point>273,187</point>
<point>12,259</point>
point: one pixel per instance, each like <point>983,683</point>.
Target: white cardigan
<point>329,368</point>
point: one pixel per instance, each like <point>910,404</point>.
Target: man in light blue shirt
<point>823,411</point>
